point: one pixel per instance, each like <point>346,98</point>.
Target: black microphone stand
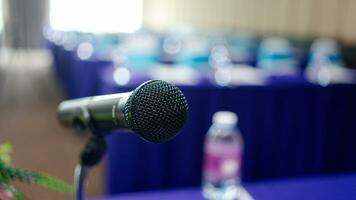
<point>91,155</point>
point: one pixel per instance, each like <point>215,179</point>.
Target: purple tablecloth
<point>341,187</point>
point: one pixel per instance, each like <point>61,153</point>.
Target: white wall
<point>335,18</point>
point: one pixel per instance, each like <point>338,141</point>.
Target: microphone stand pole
<point>80,178</point>
<point>91,155</point>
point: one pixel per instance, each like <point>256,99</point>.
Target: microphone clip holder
<point>90,156</point>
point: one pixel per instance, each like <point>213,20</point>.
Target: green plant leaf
<point>5,150</point>
<point>9,174</point>
<point>51,182</point>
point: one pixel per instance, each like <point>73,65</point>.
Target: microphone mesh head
<point>156,111</point>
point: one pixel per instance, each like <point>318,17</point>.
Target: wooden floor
<point>29,123</point>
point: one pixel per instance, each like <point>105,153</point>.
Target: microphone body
<point>99,113</point>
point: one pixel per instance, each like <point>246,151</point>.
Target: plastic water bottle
<point>223,151</point>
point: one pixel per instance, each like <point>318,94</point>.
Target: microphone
<point>156,111</point>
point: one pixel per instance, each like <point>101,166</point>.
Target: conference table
<point>337,187</point>
<point>290,128</point>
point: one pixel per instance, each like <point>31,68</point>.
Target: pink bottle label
<point>222,160</point>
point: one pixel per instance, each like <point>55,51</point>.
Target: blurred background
<point>286,67</point>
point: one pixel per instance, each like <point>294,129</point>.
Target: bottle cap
<point>225,117</point>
